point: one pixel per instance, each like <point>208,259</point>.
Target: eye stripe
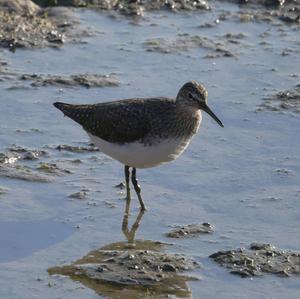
<point>192,97</point>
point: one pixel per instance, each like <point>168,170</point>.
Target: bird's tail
<point>78,113</point>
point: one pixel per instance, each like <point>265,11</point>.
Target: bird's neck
<point>190,118</point>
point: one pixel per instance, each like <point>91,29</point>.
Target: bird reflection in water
<point>132,269</point>
<point>130,234</point>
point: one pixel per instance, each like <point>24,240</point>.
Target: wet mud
<point>186,42</point>
<point>287,100</point>
<point>259,259</point>
<point>16,153</point>
<point>68,81</point>
<point>259,10</point>
<point>131,267</point>
<point>120,186</point>
<point>135,8</point>
<point>3,65</point>
<point>135,273</point>
<point>52,168</point>
<point>79,195</point>
<point>22,153</point>
<point>83,80</point>
<point>286,11</point>
<point>19,6</point>
<point>24,164</point>
<point>28,25</point>
<point>76,149</point>
<point>22,172</point>
<point>24,24</point>
<point>190,230</point>
<point>3,190</point>
<point>135,269</point>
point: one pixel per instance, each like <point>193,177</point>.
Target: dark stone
<point>186,42</point>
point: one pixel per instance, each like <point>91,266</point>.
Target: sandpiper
<point>143,132</point>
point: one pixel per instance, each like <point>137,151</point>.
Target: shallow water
<point>233,178</point>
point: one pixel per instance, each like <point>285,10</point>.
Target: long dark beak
<point>208,111</point>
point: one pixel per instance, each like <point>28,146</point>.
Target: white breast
<point>138,155</point>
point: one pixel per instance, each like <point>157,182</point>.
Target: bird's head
<point>193,94</point>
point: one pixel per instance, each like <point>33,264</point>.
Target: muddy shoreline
<point>64,197</point>
<point>28,25</point>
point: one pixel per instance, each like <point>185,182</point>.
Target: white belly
<point>138,155</point>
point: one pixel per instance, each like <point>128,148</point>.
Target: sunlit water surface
<point>227,177</point>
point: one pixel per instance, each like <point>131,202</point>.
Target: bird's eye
<point>190,96</point>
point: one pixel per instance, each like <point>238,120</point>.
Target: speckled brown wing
<point>117,122</point>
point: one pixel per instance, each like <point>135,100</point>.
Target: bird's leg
<point>137,188</point>
<point>127,179</point>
